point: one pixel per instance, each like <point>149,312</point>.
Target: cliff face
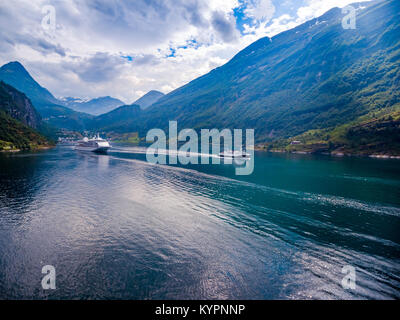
<point>18,106</point>
<point>19,122</point>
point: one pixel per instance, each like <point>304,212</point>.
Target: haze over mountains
<point>318,82</point>
<point>95,106</point>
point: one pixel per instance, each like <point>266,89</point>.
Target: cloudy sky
<point>125,48</point>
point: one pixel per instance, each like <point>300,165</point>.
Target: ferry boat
<point>95,144</point>
<point>234,155</point>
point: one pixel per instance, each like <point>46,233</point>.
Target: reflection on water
<point>115,226</point>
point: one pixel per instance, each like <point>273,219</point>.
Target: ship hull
<point>92,149</point>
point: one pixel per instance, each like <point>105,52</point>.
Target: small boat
<point>234,155</point>
<point>95,144</point>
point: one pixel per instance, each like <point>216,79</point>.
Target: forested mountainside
<point>19,122</point>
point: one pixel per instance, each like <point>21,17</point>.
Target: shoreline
<point>11,151</point>
<point>332,154</point>
<point>28,150</point>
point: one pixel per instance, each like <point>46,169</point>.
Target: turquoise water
<point>115,226</point>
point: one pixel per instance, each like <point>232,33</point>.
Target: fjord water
<point>115,226</point>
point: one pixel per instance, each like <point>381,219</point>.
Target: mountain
<point>95,106</point>
<point>317,76</point>
<point>64,118</point>
<point>18,106</point>
<point>149,99</point>
<point>52,110</point>
<point>19,121</point>
<point>16,75</point>
<point>115,120</point>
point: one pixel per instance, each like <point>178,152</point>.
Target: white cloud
<point>260,10</point>
<point>315,8</point>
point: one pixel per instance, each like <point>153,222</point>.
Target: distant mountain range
<point>327,88</point>
<point>102,105</point>
<point>19,121</point>
<point>149,99</point>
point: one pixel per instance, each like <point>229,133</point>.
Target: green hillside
<point>374,133</point>
<point>14,135</point>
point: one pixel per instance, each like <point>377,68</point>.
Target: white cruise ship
<point>95,144</point>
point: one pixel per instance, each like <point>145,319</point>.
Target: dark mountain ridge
<point>17,76</point>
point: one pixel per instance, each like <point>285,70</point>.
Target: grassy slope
<point>375,133</point>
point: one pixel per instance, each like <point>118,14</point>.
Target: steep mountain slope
<point>95,107</point>
<point>18,119</point>
<point>51,109</point>
<point>116,119</point>
<point>16,75</point>
<point>18,106</point>
<point>149,99</point>
<point>315,76</point>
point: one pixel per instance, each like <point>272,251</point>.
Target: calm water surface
<point>115,226</point>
